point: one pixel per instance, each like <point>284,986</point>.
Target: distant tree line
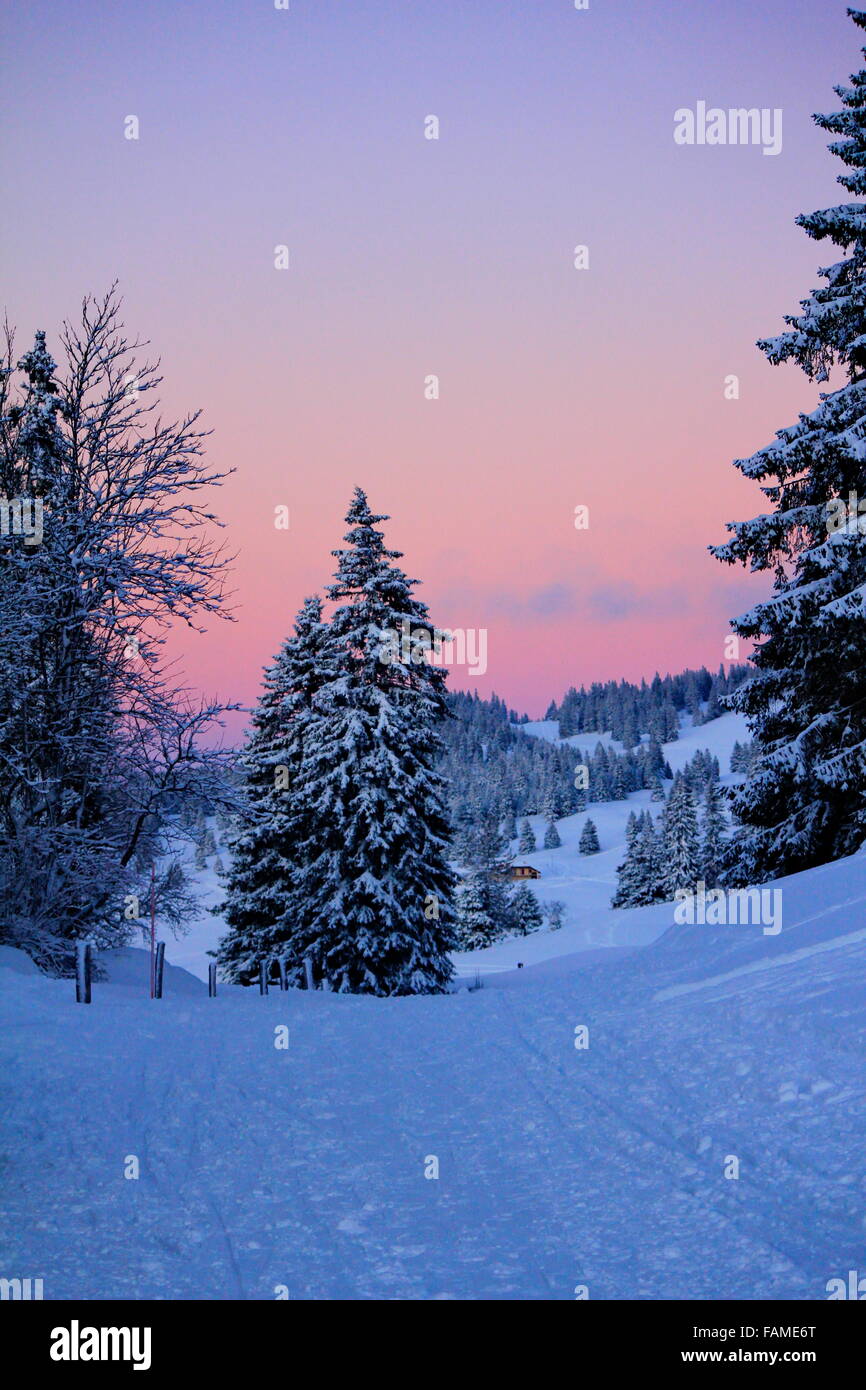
<point>627,710</point>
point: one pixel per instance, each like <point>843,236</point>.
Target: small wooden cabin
<point>517,872</point>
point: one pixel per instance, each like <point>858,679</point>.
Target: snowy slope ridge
<point>585,883</point>
<point>304,1168</point>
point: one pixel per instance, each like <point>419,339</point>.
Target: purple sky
<point>411,257</point>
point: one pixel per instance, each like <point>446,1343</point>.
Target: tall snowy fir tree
<point>264,907</point>
<point>641,876</point>
<point>375,859</point>
<point>55,720</point>
<point>629,880</point>
<point>485,858</point>
<point>681,838</point>
<point>588,842</point>
<point>713,834</point>
<point>475,927</point>
<point>526,913</point>
<point>649,850</point>
<point>803,801</point>
<point>552,838</point>
<point>527,842</point>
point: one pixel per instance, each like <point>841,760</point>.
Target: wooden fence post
<point>211,981</point>
<point>284,982</point>
<point>263,978</point>
<point>308,971</point>
<point>83,971</point>
<point>159,969</point>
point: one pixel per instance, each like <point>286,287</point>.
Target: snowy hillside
<point>584,883</point>
<point>303,1169</point>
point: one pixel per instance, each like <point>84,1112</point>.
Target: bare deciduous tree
<point>100,743</point>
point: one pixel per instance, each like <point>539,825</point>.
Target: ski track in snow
<point>558,1167</point>
<point>835,944</point>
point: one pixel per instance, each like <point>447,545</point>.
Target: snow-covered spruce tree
<point>374,861</point>
<point>551,836</point>
<point>461,829</point>
<point>681,839</point>
<point>475,928</point>
<point>265,906</point>
<point>651,856</point>
<point>713,834</point>
<point>649,851</point>
<point>527,842</point>
<point>657,791</point>
<point>803,801</point>
<point>96,741</point>
<point>486,858</point>
<point>525,911</point>
<point>714,700</point>
<point>588,842</point>
<point>641,875</point>
<point>551,801</point>
<point>630,883</point>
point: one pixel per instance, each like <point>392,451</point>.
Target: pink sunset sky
<point>409,257</point>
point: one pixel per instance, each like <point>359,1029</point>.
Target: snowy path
<point>557,1167</point>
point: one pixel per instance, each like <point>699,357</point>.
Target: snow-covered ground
<point>557,1167</point>
<point>265,1170</point>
